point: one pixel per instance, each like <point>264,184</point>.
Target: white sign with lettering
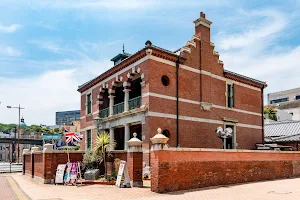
<point>59,177</point>
<point>123,169</point>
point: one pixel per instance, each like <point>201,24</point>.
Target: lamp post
<point>19,108</point>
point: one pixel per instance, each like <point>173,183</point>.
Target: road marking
<point>20,195</point>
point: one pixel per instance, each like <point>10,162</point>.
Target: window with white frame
<point>88,139</point>
<point>230,95</point>
<point>89,103</point>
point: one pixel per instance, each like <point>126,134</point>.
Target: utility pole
<point>19,108</point>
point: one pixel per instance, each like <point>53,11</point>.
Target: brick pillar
<point>135,161</point>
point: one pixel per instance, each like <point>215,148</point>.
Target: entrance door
<point>230,141</point>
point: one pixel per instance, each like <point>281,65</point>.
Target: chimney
<point>202,27</point>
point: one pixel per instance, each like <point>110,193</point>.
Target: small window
<point>88,139</point>
<point>89,103</point>
<point>230,95</point>
<point>297,97</point>
<point>165,80</point>
<point>166,133</point>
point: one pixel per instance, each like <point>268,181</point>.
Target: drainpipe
<point>262,117</point>
<point>177,102</point>
<point>200,71</point>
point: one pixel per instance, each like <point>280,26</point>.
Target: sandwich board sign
<point>59,177</point>
<point>123,169</point>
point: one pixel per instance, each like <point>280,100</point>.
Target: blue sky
<point>49,47</point>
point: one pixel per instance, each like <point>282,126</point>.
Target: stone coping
<point>225,150</point>
<point>54,151</point>
<point>118,151</point>
<point>65,151</point>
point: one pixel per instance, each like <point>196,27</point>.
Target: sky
<point>48,48</point>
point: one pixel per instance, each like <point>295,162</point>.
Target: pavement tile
<point>287,189</point>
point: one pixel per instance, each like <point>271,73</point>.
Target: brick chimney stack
<point>202,27</point>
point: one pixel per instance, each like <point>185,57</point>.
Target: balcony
<point>135,102</point>
<point>104,113</point>
<point>118,108</point>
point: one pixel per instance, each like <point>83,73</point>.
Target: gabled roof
<point>279,129</point>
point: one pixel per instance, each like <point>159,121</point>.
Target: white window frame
<point>228,82</point>
<point>86,143</point>
<point>86,103</point>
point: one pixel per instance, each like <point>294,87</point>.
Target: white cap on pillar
<point>159,141</point>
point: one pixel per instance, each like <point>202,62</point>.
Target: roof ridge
<point>283,122</point>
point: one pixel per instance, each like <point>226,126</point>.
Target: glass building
<point>66,117</point>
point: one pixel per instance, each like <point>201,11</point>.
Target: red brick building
<point>187,93</point>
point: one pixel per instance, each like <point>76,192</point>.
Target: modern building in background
<point>187,93</point>
<point>287,101</point>
<point>284,96</point>
<point>66,117</point>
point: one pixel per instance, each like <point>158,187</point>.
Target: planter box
<point>92,174</point>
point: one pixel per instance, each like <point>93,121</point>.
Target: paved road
<point>287,189</point>
<point>7,167</point>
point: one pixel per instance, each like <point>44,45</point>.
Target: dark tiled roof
<point>246,77</point>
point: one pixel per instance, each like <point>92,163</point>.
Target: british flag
<point>72,137</point>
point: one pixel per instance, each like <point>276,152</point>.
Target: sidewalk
<point>287,189</point>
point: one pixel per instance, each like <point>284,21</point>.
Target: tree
<point>270,113</point>
<point>102,147</point>
<point>56,130</point>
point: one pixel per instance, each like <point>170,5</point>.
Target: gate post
<point>135,161</point>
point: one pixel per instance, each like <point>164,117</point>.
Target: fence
<point>10,167</point>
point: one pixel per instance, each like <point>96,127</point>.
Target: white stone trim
<point>196,119</point>
<point>203,72</point>
<point>198,103</point>
<point>118,73</point>
<point>87,128</point>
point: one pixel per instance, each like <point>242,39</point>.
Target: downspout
<point>262,116</point>
<point>200,80</point>
<point>177,101</point>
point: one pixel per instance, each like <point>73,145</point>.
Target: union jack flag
<point>71,136</point>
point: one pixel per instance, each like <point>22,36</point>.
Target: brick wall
<point>38,164</point>
<point>28,165</point>
<point>45,164</point>
<point>182,169</point>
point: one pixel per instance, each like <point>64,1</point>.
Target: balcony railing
<point>104,113</point>
<point>118,108</point>
<point>135,102</point>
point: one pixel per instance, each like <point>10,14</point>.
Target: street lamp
<point>19,108</point>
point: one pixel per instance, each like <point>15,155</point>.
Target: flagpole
<point>68,152</point>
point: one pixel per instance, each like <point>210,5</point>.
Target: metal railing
<point>104,113</point>
<point>6,167</point>
<point>118,108</point>
<point>135,102</point>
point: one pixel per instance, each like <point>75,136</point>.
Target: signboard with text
<point>123,169</point>
<point>59,177</point>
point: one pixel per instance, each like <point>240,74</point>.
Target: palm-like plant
<point>103,146</point>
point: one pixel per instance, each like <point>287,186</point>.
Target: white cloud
<point>258,52</point>
<point>44,94</point>
<point>271,23</point>
<point>10,29</point>
<point>9,51</point>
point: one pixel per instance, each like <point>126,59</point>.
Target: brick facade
<point>202,96</point>
<point>180,169</point>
